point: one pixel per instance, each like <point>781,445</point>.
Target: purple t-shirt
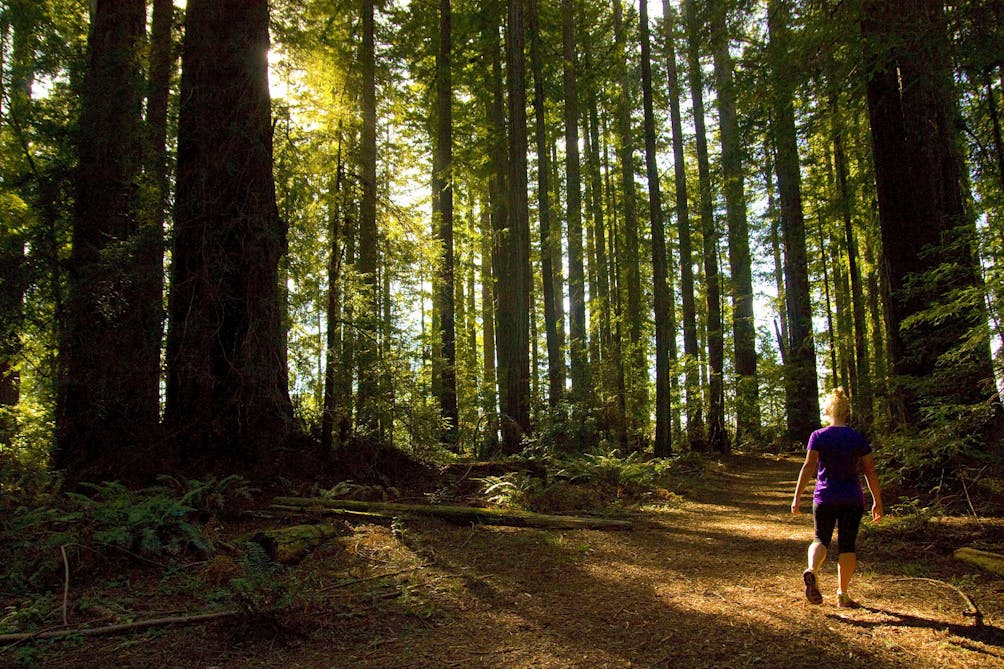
<point>837,480</point>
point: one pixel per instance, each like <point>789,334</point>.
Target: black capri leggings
<point>846,518</point>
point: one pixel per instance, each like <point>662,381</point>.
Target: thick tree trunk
<point>695,413</point>
<point>802,390</point>
<point>740,263</point>
<point>718,439</point>
<point>110,354</point>
<point>442,193</point>
<point>922,212</point>
<point>549,238</point>
<point>660,293</point>
<point>227,386</point>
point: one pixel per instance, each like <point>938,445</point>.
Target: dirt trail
<point>712,581</point>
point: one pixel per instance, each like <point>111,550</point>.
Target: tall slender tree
<point>227,384</point>
<point>549,237</point>
<point>717,437</point>
<point>740,263</point>
<point>660,293</point>
<point>578,337</point>
<point>367,353</point>
<point>442,193</point>
<point>636,385</point>
<point>692,382</point>
<point>800,357</point>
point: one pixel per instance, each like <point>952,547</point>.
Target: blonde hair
<point>837,406</point>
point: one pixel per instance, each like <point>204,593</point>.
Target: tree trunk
<point>695,419</point>
<point>578,339</point>
<point>861,391</point>
<point>660,294</point>
<point>368,404</point>
<point>548,238</point>
<point>802,391</point>
<point>928,240</point>
<point>717,437</point>
<point>513,269</point>
<point>499,216</point>
<point>636,371</point>
<point>602,311</point>
<point>108,405</point>
<point>442,193</point>
<point>333,312</point>
<point>740,263</point>
<point>227,386</point>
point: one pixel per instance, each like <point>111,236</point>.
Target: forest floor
<point>707,578</point>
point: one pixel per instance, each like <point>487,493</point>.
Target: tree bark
<point>227,385</point>
<point>636,369</point>
<point>718,439</point>
<point>927,238</point>
<point>442,192</point>
<point>578,338</point>
<point>368,404</point>
<point>549,237</point>
<point>660,293</point>
<point>514,279</point>
<point>740,263</point>
<point>802,391</point>
<point>333,339</point>
<point>691,352</point>
<point>861,391</point>
<point>108,404</point>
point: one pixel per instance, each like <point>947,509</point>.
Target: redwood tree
<point>110,353</point>
<point>936,303</point>
<point>227,388</point>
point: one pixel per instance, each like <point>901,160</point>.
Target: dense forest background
<point>238,232</point>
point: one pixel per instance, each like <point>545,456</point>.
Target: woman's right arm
<point>871,478</point>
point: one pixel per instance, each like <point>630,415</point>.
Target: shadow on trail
<point>558,607</point>
<point>986,634</point>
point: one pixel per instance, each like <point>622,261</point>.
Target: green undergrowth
<point>102,534</point>
<point>593,482</point>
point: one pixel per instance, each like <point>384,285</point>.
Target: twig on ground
<point>66,582</point>
<point>115,629</point>
<point>345,584</point>
<point>973,612</point>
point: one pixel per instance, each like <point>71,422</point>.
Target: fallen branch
<point>457,514</point>
<point>66,583</point>
<point>377,577</point>
<point>116,629</point>
<point>973,611</point>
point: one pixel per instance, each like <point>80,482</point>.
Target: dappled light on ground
<point>713,580</point>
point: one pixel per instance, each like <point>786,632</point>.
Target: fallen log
<point>457,514</point>
<point>290,544</point>
<point>993,562</point>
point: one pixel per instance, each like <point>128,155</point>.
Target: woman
<point>838,500</point>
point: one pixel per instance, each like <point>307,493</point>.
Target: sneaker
<point>844,601</point>
<point>812,592</point>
